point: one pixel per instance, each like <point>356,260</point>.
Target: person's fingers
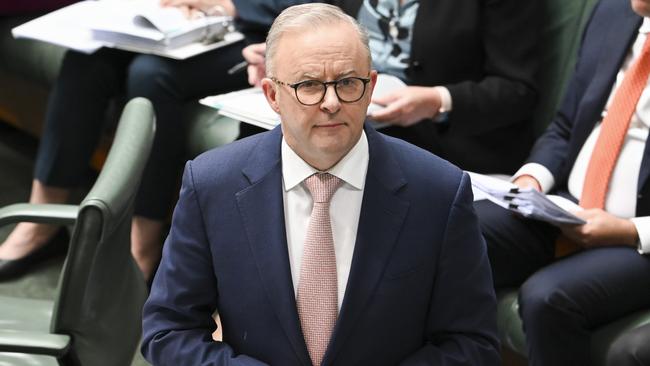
<point>253,78</point>
<point>388,114</point>
<point>252,54</point>
<point>386,99</point>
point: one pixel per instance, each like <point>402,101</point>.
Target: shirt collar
<point>645,26</point>
<point>351,169</point>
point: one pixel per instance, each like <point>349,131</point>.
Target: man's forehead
<point>315,50</point>
<point>316,35</point>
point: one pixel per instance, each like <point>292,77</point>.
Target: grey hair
<point>312,15</point>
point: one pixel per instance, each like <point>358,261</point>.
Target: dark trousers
<point>81,96</point>
<point>561,301</point>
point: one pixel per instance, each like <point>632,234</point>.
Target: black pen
<point>237,68</point>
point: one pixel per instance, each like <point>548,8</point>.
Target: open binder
<point>134,25</point>
<point>526,202</point>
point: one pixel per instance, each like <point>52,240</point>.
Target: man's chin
<point>641,7</point>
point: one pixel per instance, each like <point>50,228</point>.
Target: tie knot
<point>322,186</point>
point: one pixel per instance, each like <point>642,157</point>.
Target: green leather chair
<point>96,315</point>
<point>561,35</point>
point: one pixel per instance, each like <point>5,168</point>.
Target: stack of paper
<point>138,25</point>
<point>145,24</point>
<point>250,105</point>
<point>527,202</point>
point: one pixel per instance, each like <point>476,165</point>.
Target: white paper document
<point>526,202</point>
<point>63,28</point>
<point>250,105</point>
<point>134,25</point>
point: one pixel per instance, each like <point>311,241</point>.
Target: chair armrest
<point>40,213</point>
<point>55,345</point>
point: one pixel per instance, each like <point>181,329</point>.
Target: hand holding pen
<point>254,55</point>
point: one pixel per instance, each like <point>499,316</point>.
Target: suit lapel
<point>382,216</point>
<point>262,210</point>
<point>617,41</point>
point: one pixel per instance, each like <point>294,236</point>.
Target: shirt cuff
<point>445,104</point>
<point>539,172</point>
<point>643,229</point>
<point>445,99</point>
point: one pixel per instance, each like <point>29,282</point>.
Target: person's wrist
<point>440,113</point>
<point>633,235</point>
<point>527,181</point>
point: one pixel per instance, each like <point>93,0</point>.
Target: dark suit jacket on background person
<point>419,290</point>
<point>562,301</point>
<point>610,33</point>
<point>484,52</point>
<point>255,16</point>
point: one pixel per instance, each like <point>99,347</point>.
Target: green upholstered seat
<point>96,315</point>
<point>512,334</point>
<point>560,37</point>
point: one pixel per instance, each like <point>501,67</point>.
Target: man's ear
<point>373,81</point>
<point>271,94</point>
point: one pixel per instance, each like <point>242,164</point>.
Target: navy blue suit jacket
<point>610,33</point>
<point>419,291</point>
<point>254,17</point>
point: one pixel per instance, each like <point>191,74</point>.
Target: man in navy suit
<point>563,300</point>
<point>413,284</point>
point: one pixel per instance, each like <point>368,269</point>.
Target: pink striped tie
<point>317,288</point>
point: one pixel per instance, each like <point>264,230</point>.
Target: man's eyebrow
<point>318,75</point>
<point>311,75</point>
<point>345,73</point>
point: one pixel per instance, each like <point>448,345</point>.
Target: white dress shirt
<point>345,208</point>
<point>622,194</point>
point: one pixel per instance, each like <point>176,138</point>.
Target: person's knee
<point>491,219</point>
<point>631,348</point>
<point>95,71</point>
<point>542,301</point>
<point>501,247</point>
<point>150,77</point>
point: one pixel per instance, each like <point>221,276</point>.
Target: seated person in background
<point>76,111</point>
<point>382,277</point>
<point>596,150</point>
<point>470,70</point>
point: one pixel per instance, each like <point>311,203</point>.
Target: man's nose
<point>331,102</point>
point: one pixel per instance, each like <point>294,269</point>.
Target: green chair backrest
<point>101,290</point>
<point>561,33</point>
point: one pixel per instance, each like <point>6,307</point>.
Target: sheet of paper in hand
<point>529,202</point>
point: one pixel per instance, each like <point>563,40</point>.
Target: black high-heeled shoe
<point>56,246</point>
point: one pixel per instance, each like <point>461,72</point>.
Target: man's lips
<point>330,125</point>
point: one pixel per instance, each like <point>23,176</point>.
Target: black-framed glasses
<point>311,92</point>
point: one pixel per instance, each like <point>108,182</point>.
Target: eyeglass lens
<point>313,91</point>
